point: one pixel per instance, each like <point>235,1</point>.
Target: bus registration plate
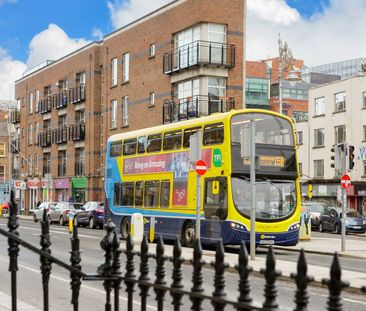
<point>267,242</point>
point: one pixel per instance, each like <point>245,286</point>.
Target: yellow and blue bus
<point>148,171</point>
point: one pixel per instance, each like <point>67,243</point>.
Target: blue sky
<point>32,31</point>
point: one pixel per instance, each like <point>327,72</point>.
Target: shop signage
<point>62,183</point>
<point>44,184</point>
<point>20,184</point>
<point>217,157</point>
<point>33,183</point>
<point>79,182</point>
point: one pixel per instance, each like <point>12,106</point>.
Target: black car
<point>316,209</point>
<point>91,215</point>
<point>330,220</point>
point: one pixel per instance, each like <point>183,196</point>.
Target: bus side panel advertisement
<point>180,190</point>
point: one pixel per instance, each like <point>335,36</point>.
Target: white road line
<point>82,285</point>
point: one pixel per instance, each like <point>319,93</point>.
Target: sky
<point>32,31</point>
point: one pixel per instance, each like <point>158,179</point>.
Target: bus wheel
<point>125,228</point>
<point>188,235</point>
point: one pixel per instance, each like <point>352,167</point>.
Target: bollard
<point>137,227</point>
<point>71,221</point>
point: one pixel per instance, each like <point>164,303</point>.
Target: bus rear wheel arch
<point>125,228</point>
<point>188,234</point>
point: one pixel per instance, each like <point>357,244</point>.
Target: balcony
<point>46,169</point>
<point>61,169</point>
<point>59,135</point>
<point>14,116</point>
<point>199,53</point>
<point>188,108</point>
<point>59,100</point>
<point>77,94</point>
<point>79,168</point>
<point>14,145</point>
<point>45,105</point>
<point>44,139</point>
<point>77,132</point>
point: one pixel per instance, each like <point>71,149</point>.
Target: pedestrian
<point>39,203</point>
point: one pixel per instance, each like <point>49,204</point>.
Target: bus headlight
<point>295,226</point>
<point>235,225</point>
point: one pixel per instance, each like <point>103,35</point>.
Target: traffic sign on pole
<point>201,167</point>
<point>345,181</point>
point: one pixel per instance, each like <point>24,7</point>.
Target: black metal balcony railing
<point>199,53</point>
<point>59,100</point>
<point>77,132</point>
<point>15,145</point>
<point>183,109</point>
<point>77,94</point>
<point>44,138</point>
<point>61,171</point>
<point>45,105</point>
<point>59,135</point>
<point>79,168</point>
<point>14,116</point>
<point>46,169</point>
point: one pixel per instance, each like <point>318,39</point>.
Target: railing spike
<point>144,272</point>
<point>219,265</point>
<point>130,269</point>
<point>244,271</point>
<point>75,260</point>
<point>197,278</point>
<point>177,284</point>
<point>160,282</point>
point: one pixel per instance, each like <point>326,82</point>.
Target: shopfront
<point>33,188</point>
<point>79,189</point>
<point>62,186</point>
<point>20,186</point>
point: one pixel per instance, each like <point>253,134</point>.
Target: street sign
<point>345,181</point>
<point>201,167</point>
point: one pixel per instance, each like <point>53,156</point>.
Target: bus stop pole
<point>344,209</point>
<point>252,187</point>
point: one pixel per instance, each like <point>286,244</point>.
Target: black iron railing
<point>44,138</point>
<point>59,100</point>
<point>79,168</point>
<point>199,53</point>
<point>45,105</point>
<point>77,94</point>
<point>198,106</point>
<point>113,277</point>
<point>59,135</point>
<point>14,116</point>
<point>15,145</point>
<point>77,131</point>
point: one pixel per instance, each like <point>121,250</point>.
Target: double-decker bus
<point>148,171</point>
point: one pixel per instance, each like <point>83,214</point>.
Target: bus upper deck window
<point>115,149</point>
<point>141,144</point>
<point>213,134</point>
<point>187,135</point>
<point>154,143</point>
<point>172,140</point>
<point>129,146</point>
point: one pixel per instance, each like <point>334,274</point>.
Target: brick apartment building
<point>182,60</point>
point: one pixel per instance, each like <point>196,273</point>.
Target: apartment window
<point>80,78</point>
<point>340,101</point>
<point>300,169</point>
<point>80,116</point>
<point>30,134</point>
<point>114,114</point>
<point>319,106</point>
<point>2,150</point>
<point>2,172</point>
<point>36,134</point>
<point>318,137</point>
<point>30,103</point>
<point>114,71</point>
<point>340,134</point>
<point>126,67</point>
<point>300,138</point>
<point>29,164</point>
<point>18,103</point>
<point>35,164</point>
<point>364,132</point>
<point>62,163</point>
<point>125,111</point>
<point>318,168</point>
<point>152,99</point>
<point>152,50</point>
<point>364,99</point>
<point>37,100</point>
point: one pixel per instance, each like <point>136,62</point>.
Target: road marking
<point>82,285</point>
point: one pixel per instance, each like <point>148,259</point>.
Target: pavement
<point>319,245</point>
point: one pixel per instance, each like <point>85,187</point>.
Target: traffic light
<point>351,157</point>
<point>336,158</point>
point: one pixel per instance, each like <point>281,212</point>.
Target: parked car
<point>60,212</point>
<point>91,214</point>
<point>38,214</point>
<point>315,210</point>
<point>330,220</point>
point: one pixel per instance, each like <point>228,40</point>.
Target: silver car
<point>38,213</point>
<point>61,211</point>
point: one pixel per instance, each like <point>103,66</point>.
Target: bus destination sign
<point>268,160</point>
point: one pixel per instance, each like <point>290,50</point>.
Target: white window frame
<point>35,163</point>
<point>30,134</point>
<point>319,106</point>
<point>152,50</point>
<point>2,155</point>
<point>319,140</point>
<point>37,100</point>
<point>126,67</point>
<point>316,168</point>
<point>125,111</point>
<point>300,137</point>
<point>151,99</point>
<point>336,135</point>
<point>114,114</point>
<point>36,134</point>
<point>114,71</point>
<point>29,164</point>
<point>30,103</point>
<point>340,101</point>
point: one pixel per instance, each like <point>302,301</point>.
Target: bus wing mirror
<point>215,187</point>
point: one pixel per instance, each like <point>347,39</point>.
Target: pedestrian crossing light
<point>351,157</point>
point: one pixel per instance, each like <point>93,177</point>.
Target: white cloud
<point>125,11</point>
<point>325,37</point>
<point>10,70</point>
<point>97,34</point>
<point>52,43</point>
